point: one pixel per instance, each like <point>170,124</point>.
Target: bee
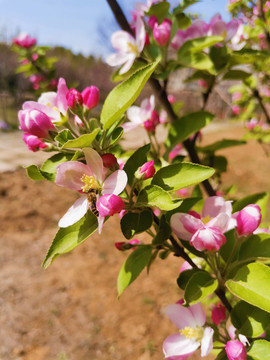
<point>92,200</point>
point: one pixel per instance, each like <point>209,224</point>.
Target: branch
<point>257,95</point>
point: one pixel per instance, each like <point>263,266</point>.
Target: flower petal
<point>178,227</point>
<point>181,316</point>
<point>120,40</point>
<point>178,347</point>
<point>117,59</point>
<point>61,101</point>
<point>69,174</point>
<point>198,313</point>
<point>94,162</point>
<point>48,98</point>
<point>100,223</point>
<point>136,115</point>
<point>140,34</point>
<point>207,341</point>
<point>221,222</point>
<point>214,205</point>
<point>115,183</point>
<point>53,114</point>
<point>74,213</point>
<point>128,64</point>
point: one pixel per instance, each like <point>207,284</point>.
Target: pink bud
<point>33,142</point>
<point>203,83</point>
<point>90,97</point>
<point>180,301</point>
<point>162,32</point>
<point>74,99</point>
<point>248,220</point>
<point>110,204</point>
<point>120,245</point>
<point>154,117</point>
<point>261,36</point>
<point>157,212</point>
<point>152,21</point>
<point>149,126</point>
<point>237,96</point>
<point>218,314</point>
<point>122,213</point>
<point>185,266</point>
<point>147,169</point>
<point>35,122</point>
<point>34,56</point>
<point>171,99</point>
<point>109,160</point>
<point>235,350</point>
<point>146,40</point>
<point>182,192</point>
<point>25,61</point>
<point>236,109</point>
<point>25,41</point>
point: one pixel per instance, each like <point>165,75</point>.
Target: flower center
<point>90,183</point>
<point>192,333</point>
<point>206,219</point>
<point>132,48</point>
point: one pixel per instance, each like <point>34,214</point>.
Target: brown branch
<point>257,95</point>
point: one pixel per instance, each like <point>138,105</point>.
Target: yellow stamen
<point>206,219</point>
<point>90,183</point>
<point>133,48</point>
<point>192,333</point>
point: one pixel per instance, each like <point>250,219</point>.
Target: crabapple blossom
<point>33,142</point>
<point>248,220</point>
<point>128,48</point>
<point>35,122</point>
<point>147,170</point>
<point>85,178</point>
<point>235,350</point>
<point>192,333</point>
<point>206,232</point>
<point>152,21</point>
<point>162,32</point>
<point>74,99</point>
<point>90,96</point>
<point>110,204</point>
<point>24,40</point>
<point>109,160</point>
<point>139,114</point>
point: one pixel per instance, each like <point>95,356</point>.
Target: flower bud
<point>185,266</point>
<point>154,117</point>
<point>149,126</point>
<point>162,32</point>
<point>171,99</point>
<point>122,245</point>
<point>35,122</point>
<point>218,314</point>
<point>74,99</point>
<point>248,220</point>
<point>147,170</point>
<point>203,83</point>
<point>152,21</point>
<point>236,96</point>
<point>109,161</point>
<point>90,96</point>
<point>235,350</point>
<point>110,204</point>
<point>236,109</point>
<point>25,41</point>
<point>34,56</point>
<point>33,142</point>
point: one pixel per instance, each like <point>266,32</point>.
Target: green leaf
<point>135,223</point>
<point>183,5</point>
<point>185,276</point>
<point>221,144</point>
<point>260,199</point>
<point>256,246</point>
<point>225,250</point>
<point>133,266</point>
<point>116,77</point>
<point>159,10</point>
<point>249,320</point>
<point>136,160</point>
<point>183,21</point>
<point>198,44</point>
<point>48,169</point>
<point>251,284</point>
<point>82,141</point>
<point>198,61</point>
<point>219,56</point>
<point>153,195</point>
<point>116,135</point>
<point>69,238</point>
<point>178,176</point>
<point>187,125</point>
<point>260,350</point>
<point>64,136</point>
<point>219,163</point>
<point>163,233</point>
<point>200,285</point>
<point>34,173</point>
<point>236,75</point>
<point>124,95</point>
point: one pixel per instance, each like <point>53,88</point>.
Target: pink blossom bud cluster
<point>89,98</point>
<point>25,41</point>
<point>162,32</point>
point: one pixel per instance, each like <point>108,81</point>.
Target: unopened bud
<point>109,161</point>
<point>74,99</point>
<point>90,97</point>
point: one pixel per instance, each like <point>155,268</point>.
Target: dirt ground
<point>70,311</point>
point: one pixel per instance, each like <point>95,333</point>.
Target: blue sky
<point>84,26</point>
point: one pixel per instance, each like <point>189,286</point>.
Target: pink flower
<point>197,29</point>
<point>90,97</point>
<point>110,204</point>
<point>34,56</point>
<point>35,122</point>
<point>88,179</point>
<point>248,220</point>
<point>162,32</point>
<point>33,142</point>
<point>205,233</point>
<point>218,314</point>
<point>236,109</point>
<point>203,83</point>
<point>139,114</point>
<point>128,47</point>
<point>171,99</point>
<point>176,151</point>
<point>147,170</point>
<point>190,322</point>
<point>235,350</point>
<point>25,40</point>
<point>185,266</point>
<point>182,192</point>
<point>250,125</point>
<point>74,99</point>
<point>53,104</point>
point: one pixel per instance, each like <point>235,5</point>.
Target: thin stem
<point>260,101</point>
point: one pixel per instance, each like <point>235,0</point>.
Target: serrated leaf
<point>154,195</point>
<point>48,169</point>
<point>135,223</point>
<point>251,284</point>
<point>249,320</point>
<point>178,176</point>
<point>260,199</point>
<point>34,173</point>
<point>82,141</point>
<point>133,266</point>
<point>124,95</point>
<point>63,136</point>
<point>137,159</point>
<point>199,286</point>
<point>69,238</point>
<point>187,125</point>
<point>260,350</point>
